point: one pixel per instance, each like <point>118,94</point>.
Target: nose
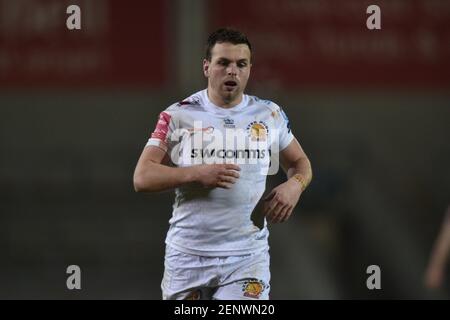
<point>232,69</point>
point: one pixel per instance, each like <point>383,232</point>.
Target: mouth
<point>230,84</point>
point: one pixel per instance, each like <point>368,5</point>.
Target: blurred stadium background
<point>370,108</point>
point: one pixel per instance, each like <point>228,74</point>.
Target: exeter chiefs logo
<point>258,131</point>
<point>253,288</point>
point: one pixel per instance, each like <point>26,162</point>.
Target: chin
<point>234,92</point>
<point>230,95</point>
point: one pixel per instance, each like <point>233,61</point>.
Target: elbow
<point>310,169</point>
<point>138,183</point>
<point>142,185</point>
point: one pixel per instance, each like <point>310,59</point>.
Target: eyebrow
<point>228,60</point>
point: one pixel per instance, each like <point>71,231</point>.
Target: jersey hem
<point>218,253</point>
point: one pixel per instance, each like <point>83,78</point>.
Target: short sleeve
<point>284,128</point>
<point>163,131</point>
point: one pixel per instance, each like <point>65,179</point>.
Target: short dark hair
<point>225,35</point>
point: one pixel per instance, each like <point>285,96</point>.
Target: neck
<point>223,102</point>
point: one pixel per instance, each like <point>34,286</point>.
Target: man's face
<point>228,71</point>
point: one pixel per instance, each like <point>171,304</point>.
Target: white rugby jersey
<point>217,222</point>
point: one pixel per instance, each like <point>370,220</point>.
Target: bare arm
<point>152,173</point>
<point>282,200</point>
<point>435,271</point>
<point>295,162</point>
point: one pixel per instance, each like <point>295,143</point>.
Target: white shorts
<point>192,277</point>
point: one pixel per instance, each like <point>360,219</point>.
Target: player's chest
<point>248,127</point>
<point>244,140</point>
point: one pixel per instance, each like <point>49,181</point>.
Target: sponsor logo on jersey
<point>258,131</point>
<point>205,144</point>
<point>230,153</point>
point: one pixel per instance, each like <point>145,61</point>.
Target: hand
<point>216,175</point>
<point>281,201</point>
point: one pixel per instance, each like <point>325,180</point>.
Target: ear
<point>206,67</point>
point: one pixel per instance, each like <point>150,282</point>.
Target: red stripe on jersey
<point>162,127</point>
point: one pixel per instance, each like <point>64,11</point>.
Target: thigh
<point>247,278</point>
<point>186,277</point>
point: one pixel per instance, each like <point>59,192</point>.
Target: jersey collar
<point>223,111</point>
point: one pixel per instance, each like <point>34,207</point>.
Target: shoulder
<point>277,113</point>
<point>266,104</point>
<point>192,102</point>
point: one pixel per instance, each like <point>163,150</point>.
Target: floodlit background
<point>370,108</point>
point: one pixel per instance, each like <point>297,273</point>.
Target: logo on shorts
<point>253,288</point>
<point>258,131</point>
